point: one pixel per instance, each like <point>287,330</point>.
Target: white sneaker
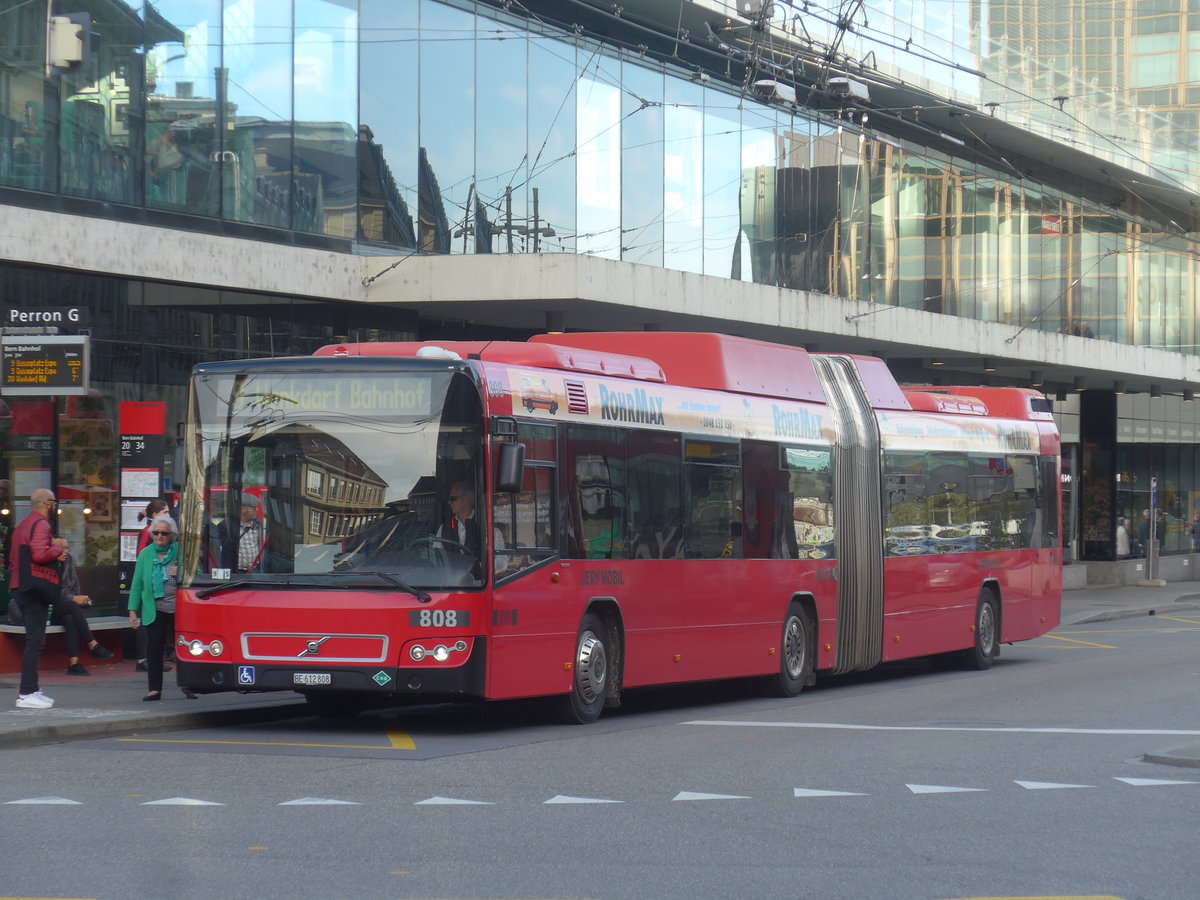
<point>36,700</point>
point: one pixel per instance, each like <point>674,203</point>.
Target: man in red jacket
<point>34,564</point>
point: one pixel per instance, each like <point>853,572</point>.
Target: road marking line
<point>263,744</point>
<point>700,795</point>
<point>1088,897</point>
<point>562,798</point>
<point>1174,619</point>
<point>451,801</point>
<point>43,801</point>
<point>1049,785</point>
<point>1168,732</point>
<point>941,789</point>
<point>1055,637</point>
<point>1152,782</point>
<point>813,792</point>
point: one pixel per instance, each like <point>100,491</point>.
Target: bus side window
<point>712,497</point>
<point>807,504</point>
<point>524,519</point>
<point>594,473</point>
<point>654,503</point>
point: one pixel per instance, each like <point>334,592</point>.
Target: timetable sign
<point>45,366</point>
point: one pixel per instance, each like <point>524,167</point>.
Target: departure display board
<point>44,365</point>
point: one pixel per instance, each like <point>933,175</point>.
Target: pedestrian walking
<point>155,510</point>
<point>152,597</point>
<point>34,565</point>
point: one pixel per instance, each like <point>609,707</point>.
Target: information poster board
<point>142,442</point>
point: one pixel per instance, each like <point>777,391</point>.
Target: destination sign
<point>50,366</point>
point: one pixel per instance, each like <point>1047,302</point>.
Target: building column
<point>1097,483</point>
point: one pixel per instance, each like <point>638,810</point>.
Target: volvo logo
<point>312,648</point>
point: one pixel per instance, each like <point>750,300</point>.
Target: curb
<point>1182,604</point>
<point>1185,757</point>
<point>135,723</point>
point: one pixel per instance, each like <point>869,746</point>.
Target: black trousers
<point>76,633</point>
<point>157,634</point>
<point>35,609</point>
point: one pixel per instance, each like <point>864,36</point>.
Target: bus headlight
<point>194,646</point>
<point>439,652</point>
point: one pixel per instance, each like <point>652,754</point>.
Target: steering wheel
<point>437,546</point>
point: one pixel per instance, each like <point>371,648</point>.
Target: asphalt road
<point>1026,781</point>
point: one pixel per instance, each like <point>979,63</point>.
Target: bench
<point>97,623</point>
<point>12,641</point>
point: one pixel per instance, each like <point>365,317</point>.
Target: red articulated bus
<point>585,513</point>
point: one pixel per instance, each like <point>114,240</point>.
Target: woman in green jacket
<point>152,597</point>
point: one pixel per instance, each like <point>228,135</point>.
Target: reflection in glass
<point>598,164</point>
<point>181,108</point>
<point>336,472</point>
<point>550,214</point>
<point>502,164</point>
<point>683,177</point>
<point>254,116</point>
<point>387,150</point>
<point>642,165</point>
<point>722,183</point>
<point>325,85</point>
<point>447,162</point>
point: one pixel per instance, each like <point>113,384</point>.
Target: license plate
<point>312,678</point>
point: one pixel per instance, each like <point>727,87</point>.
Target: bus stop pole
<point>1151,579</point>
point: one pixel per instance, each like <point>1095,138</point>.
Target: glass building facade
<point>456,128</point>
<point>466,128</point>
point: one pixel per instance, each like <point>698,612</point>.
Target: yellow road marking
<point>400,740</point>
<point>267,744</point>
<point>1055,637</point>
<point>1174,619</point>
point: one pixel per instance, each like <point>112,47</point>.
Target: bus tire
<point>335,704</point>
<point>987,633</point>
<point>590,673</point>
<point>796,655</point>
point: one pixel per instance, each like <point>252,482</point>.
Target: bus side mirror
<point>511,467</point>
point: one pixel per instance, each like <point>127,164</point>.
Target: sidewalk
<point>110,701</point>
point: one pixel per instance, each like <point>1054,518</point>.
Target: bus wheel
<point>796,662</point>
<point>987,633</point>
<point>335,704</point>
<point>590,683</point>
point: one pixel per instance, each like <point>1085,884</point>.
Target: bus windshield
<point>334,470</point>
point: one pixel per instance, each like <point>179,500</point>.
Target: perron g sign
<point>46,366</point>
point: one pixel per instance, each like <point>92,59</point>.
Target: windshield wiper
<point>287,583</point>
<point>393,580</point>
<point>260,585</point>
<point>224,586</point>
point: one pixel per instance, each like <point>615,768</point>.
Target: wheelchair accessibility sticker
<point>245,674</point>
